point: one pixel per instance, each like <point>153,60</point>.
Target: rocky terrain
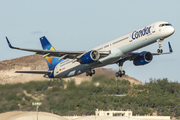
<point>36,62</point>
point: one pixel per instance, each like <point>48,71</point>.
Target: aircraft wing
<point>133,55</point>
<point>35,72</point>
<point>60,54</point>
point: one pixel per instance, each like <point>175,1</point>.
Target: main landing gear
<point>90,72</point>
<point>160,45</point>
<point>121,72</point>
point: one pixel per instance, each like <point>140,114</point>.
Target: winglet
<point>170,48</point>
<point>9,43</point>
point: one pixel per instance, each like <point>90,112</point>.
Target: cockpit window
<point>168,25</point>
<point>161,25</point>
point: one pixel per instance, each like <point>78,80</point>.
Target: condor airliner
<point>63,64</point>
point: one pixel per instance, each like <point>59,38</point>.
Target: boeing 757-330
<point>63,64</point>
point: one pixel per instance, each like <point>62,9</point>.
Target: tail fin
<point>46,45</point>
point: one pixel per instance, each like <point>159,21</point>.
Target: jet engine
<point>143,58</point>
<point>89,57</point>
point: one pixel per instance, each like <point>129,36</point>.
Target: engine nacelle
<point>143,58</point>
<point>89,57</point>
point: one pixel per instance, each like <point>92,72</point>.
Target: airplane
<point>64,64</point>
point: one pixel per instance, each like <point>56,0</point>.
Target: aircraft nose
<point>171,30</point>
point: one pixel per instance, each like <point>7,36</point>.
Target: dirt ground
<point>29,115</point>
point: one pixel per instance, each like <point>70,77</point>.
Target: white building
<point>113,113</point>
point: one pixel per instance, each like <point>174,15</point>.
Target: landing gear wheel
<point>93,71</point>
<point>87,73</point>
<point>123,72</point>
<point>120,73</point>
<point>117,75</point>
<point>159,50</point>
<point>90,72</point>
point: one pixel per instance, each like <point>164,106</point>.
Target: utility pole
<point>37,104</point>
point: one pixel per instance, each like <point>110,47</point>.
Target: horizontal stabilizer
<point>35,72</point>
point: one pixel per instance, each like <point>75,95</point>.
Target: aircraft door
<point>153,29</point>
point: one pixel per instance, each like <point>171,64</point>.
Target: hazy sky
<point>79,25</point>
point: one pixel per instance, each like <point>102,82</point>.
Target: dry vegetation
<point>80,95</point>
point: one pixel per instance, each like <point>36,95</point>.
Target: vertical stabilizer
<point>46,45</point>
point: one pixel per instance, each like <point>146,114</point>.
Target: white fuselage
<point>119,48</point>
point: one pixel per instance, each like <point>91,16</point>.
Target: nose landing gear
<point>160,45</point>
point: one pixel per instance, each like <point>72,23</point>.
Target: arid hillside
<point>36,62</point>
